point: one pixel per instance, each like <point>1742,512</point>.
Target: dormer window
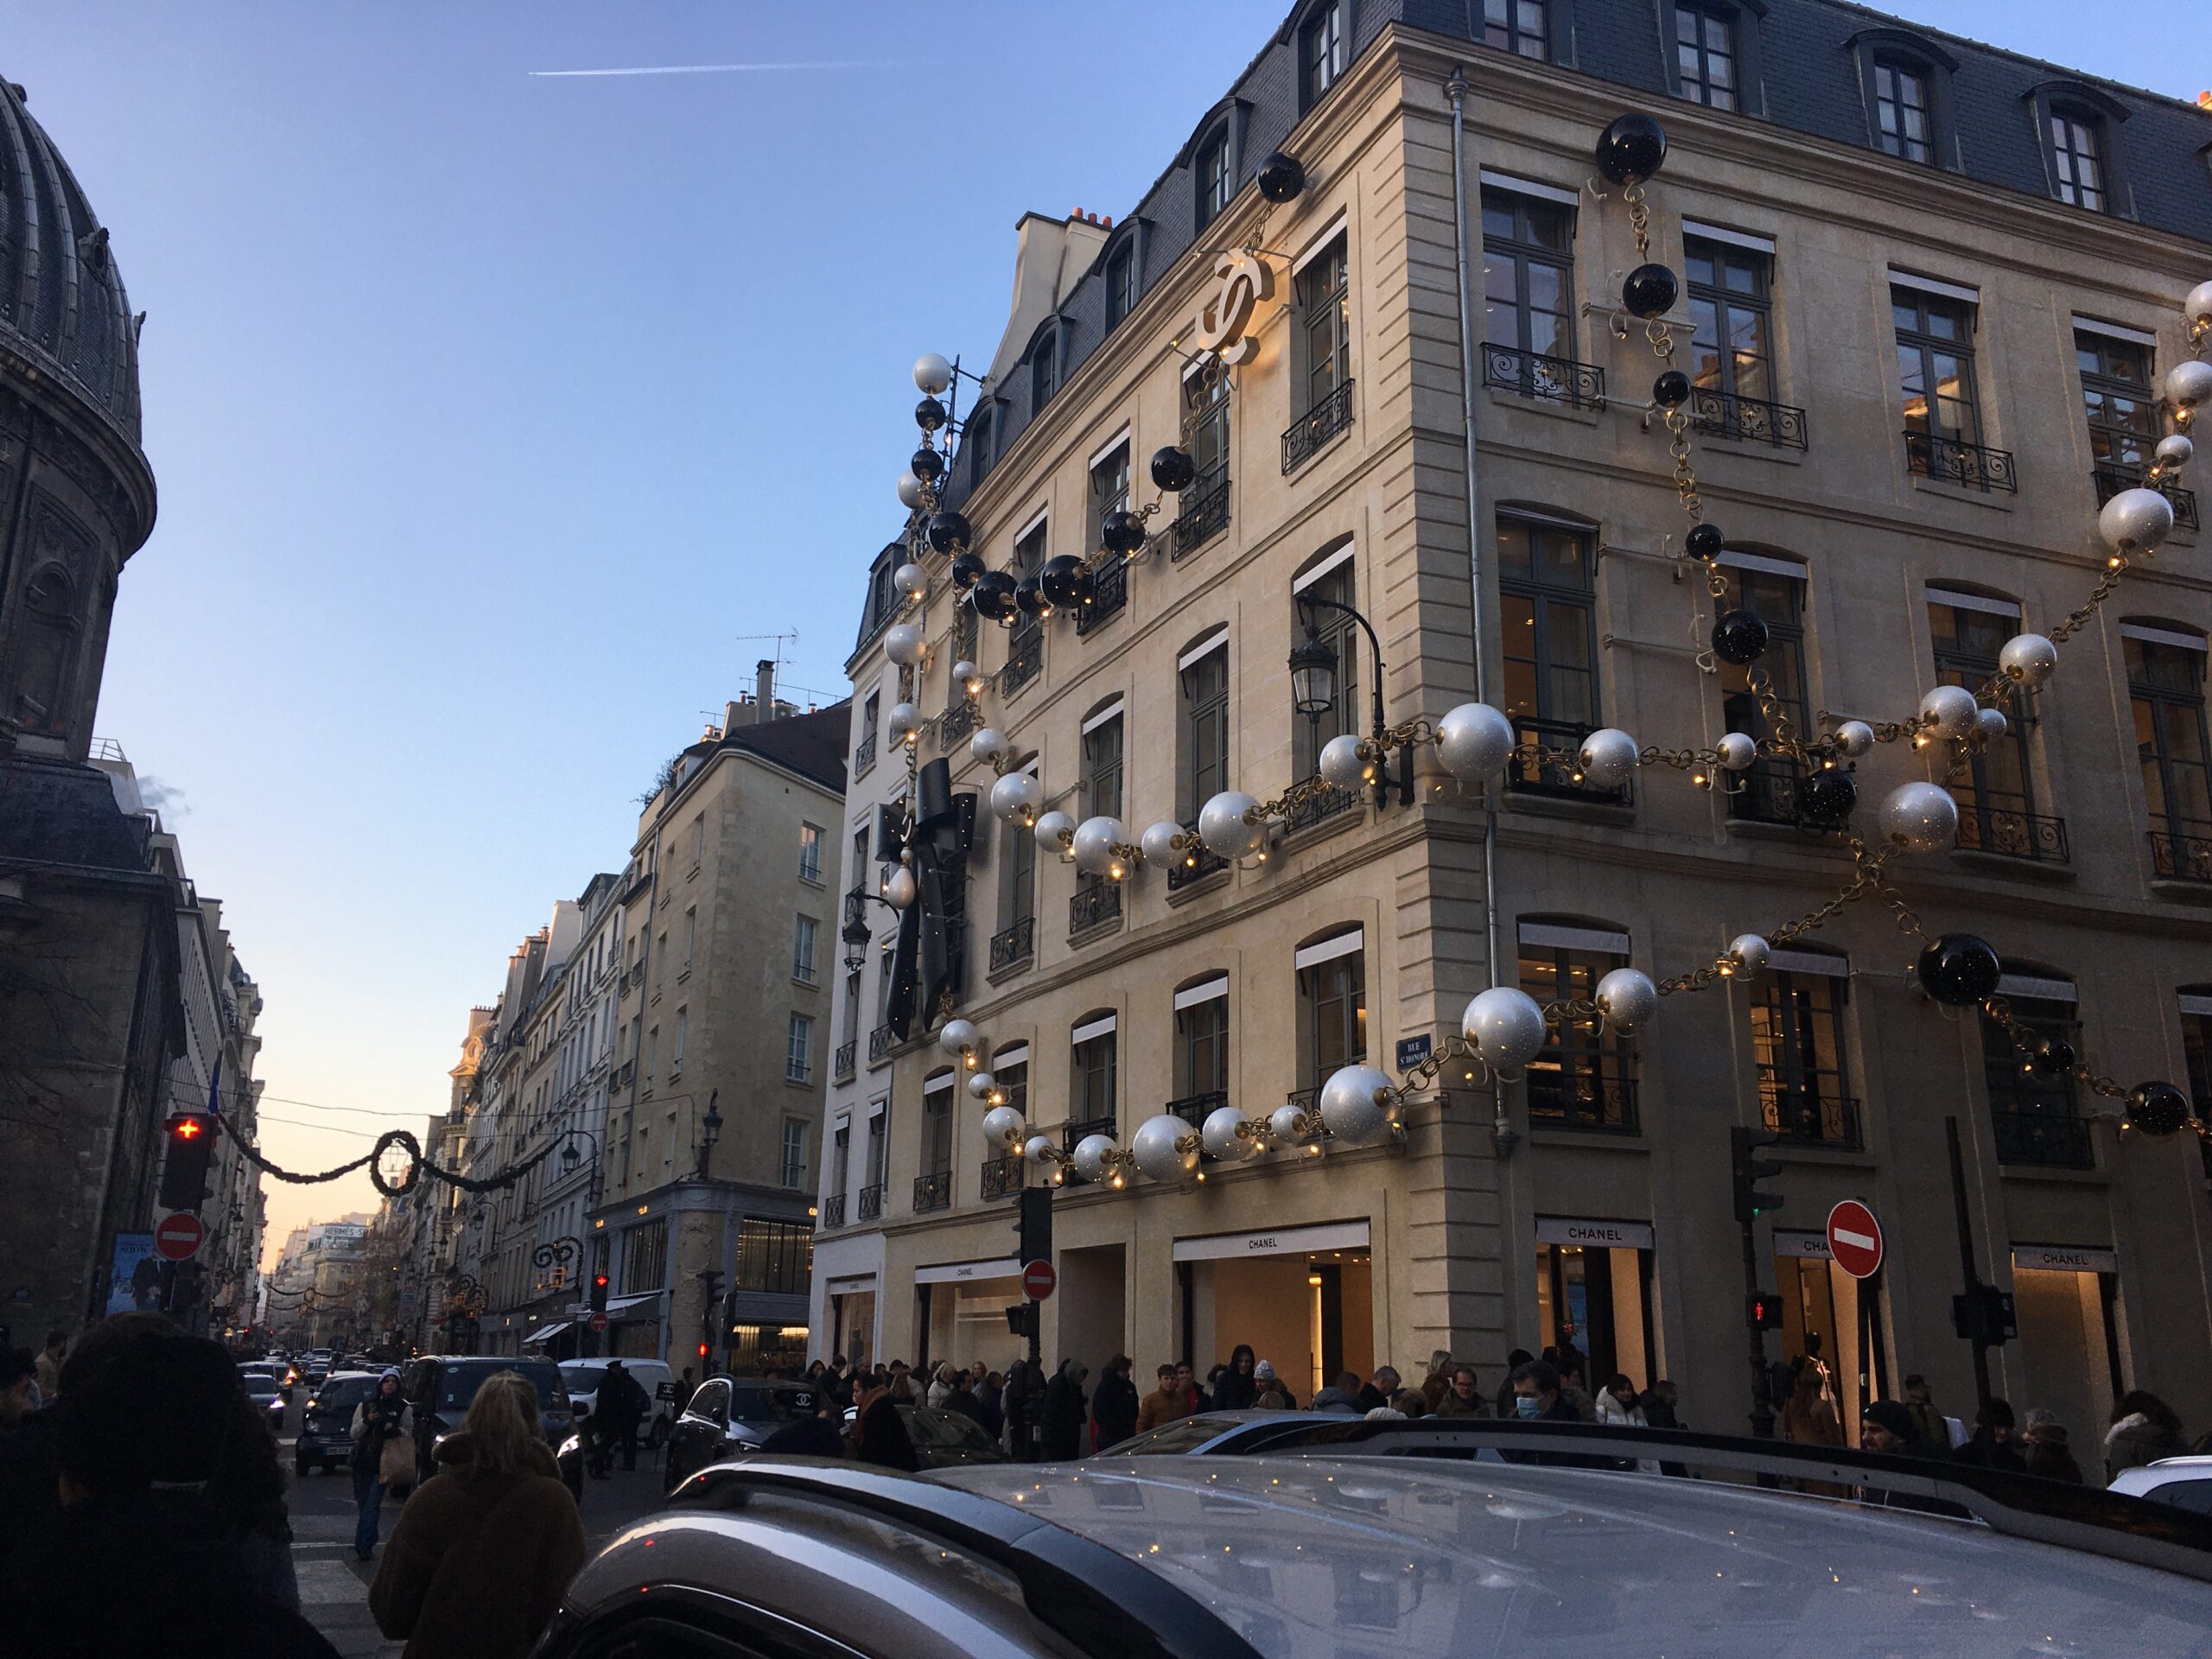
<point>1121,281</point>
<point>1211,176</point>
<point>1320,52</point>
<point>2077,165</point>
<point>1521,26</point>
<point>1904,118</point>
<point>1045,368</point>
<point>1705,54</point>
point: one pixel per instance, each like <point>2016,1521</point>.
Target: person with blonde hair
<point>483,1551</point>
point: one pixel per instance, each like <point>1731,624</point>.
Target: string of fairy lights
<point>1503,1028</point>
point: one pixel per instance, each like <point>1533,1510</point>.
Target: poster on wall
<point>134,1280</point>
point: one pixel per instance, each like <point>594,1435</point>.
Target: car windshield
<point>463,1378</point>
<point>943,1428</point>
<point>582,1375</point>
<point>758,1405</point>
<point>1172,1439</point>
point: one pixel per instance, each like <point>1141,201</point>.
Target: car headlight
<point>574,1443</point>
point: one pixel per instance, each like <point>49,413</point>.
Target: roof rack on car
<point>2021,1506</point>
<point>1098,1600</point>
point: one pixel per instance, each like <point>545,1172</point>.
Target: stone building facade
<point>1838,190</point>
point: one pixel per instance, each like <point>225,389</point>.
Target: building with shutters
<point>1928,288</point>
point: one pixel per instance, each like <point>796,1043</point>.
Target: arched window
<point>1092,1079</point>
<point>1201,1046</point>
<point>46,650</point>
<point>1906,79</point>
<point>2077,128</point>
<point>1332,968</point>
<point>1584,1076</point>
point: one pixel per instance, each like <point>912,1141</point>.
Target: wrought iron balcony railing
<point>1550,379</point>
<point>1024,659</point>
<point>1997,821</point>
<point>1017,942</point>
<point>1556,777</point>
<point>932,1191</point>
<point>2181,851</point>
<point>1094,907</point>
<point>1955,461</point>
<point>833,1211</point>
<point>847,1056</point>
<point>2045,1139</point>
<point>1073,1131</point>
<point>1204,512</point>
<point>879,1044</point>
<point>1192,1109</point>
<point>1312,431</point>
<point>1309,1102</point>
<point>1748,420</point>
<point>2111,477</point>
<point>1590,1103</point>
<point>956,722</point>
<point>1109,592</point>
<point>1321,806</point>
<point>1811,1114</point>
<point>1002,1177</point>
<point>871,1205</point>
<point>1198,862</point>
<point>864,755</point>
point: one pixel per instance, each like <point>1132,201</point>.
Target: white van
<point>581,1377</point>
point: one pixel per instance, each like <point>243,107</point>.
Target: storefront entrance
<point>2069,1351</point>
<point>1593,1291</point>
<point>1302,1296</point>
<point>1829,1316</point>
<point>852,1320</point>
<point>961,1313</point>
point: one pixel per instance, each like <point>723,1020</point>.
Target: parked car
<point>2185,1483</point>
<point>942,1439</point>
<point>727,1414</point>
<point>581,1377</point>
<point>1363,1549</point>
<point>440,1386</point>
<point>326,1440</point>
<point>1209,1433</point>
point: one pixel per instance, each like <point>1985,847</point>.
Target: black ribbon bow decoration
<point>925,963</point>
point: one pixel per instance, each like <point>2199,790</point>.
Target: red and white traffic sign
<point>177,1238</point>
<point>1854,1238</point>
<point>598,1323</point>
<point>1038,1281</point>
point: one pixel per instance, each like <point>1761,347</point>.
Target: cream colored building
<point>1593,1203</point>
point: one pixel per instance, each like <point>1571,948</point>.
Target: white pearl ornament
<point>1506,1027</point>
<point>1952,707</point>
<point>1358,1106</point>
<point>932,374</point>
<point>1751,950</point>
<point>911,580</point>
<point>1855,738</point>
<point>1627,998</point>
<point>2135,521</point>
<point>1158,844</point>
<point>1342,764</point>
<point>1218,1134</point>
<point>2027,658</point>
<point>1223,829</point>
<point>1003,1126</point>
<point>1157,1150</point>
<point>1052,828</point>
<point>1094,843</point>
<point>1472,741</point>
<point>1609,755</point>
<point>1017,795</point>
<point>1920,817</point>
<point>2190,383</point>
<point>1738,750</point>
<point>958,1036</point>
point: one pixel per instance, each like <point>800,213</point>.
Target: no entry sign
<point>1854,1238</point>
<point>1038,1281</point>
<point>177,1239</point>
<point>598,1323</point>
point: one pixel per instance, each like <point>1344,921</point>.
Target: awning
<point>622,1304</point>
<point>545,1333</point>
<point>1284,1240</point>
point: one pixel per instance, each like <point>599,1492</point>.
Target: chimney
<point>763,689</point>
<point>734,715</point>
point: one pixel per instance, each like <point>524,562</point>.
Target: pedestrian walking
<point>1114,1404</point>
<point>990,1401</point>
<point>1236,1387</point>
<point>1063,1412</point>
<point>1272,1393</point>
<point>47,1372</point>
<point>2144,1429</point>
<point>1461,1397</point>
<point>1808,1419</point>
<point>484,1550</point>
<point>617,1409</point>
<point>1164,1404</point>
<point>384,1456</point>
<point>2044,1449</point>
<point>684,1389</point>
<point>1993,1445</point>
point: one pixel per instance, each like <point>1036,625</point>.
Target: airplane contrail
<point>708,69</point>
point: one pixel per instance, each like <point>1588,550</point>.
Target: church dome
<point>62,308</point>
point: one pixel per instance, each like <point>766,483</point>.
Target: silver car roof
<point>1309,1557</point>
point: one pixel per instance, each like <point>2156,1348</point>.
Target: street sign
<point>1854,1239</point>
<point>177,1238</point>
<point>1038,1281</point>
<point>1412,1050</point>
<point>598,1323</point>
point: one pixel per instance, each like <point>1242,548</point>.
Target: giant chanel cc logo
<point>1242,282</point>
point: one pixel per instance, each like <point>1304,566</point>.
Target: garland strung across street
<point>395,1182</point>
<point>1503,1028</point>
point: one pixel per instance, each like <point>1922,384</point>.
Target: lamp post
<point>710,1130</point>
<point>570,1157</point>
<point>1314,689</point>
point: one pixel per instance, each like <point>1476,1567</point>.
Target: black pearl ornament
<point>2156,1108</point>
<point>1704,542</point>
<point>1631,149</point>
<point>1121,531</point>
<point>2054,1058</point>
<point>929,415</point>
<point>968,569</point>
<point>1173,470</point>
<point>1063,580</point>
<point>927,465</point>
<point>1958,970</point>
<point>1282,178</point>
<point>1671,390</point>
<point>1739,638</point>
<point>1649,290</point>
<point>1825,798</point>
<point>993,596</point>
<point>949,532</point>
<point>1029,596</point>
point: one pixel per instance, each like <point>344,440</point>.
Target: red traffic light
<point>599,1281</point>
<point>186,1126</point>
<point>703,1350</point>
<point>1765,1312</point>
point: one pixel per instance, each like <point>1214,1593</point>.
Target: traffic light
<point>1021,1318</point>
<point>1765,1311</point>
<point>1033,1224</point>
<point>1985,1315</point>
<point>704,1350</point>
<point>599,1293</point>
<point>189,1138</point>
<point>1748,1170</point>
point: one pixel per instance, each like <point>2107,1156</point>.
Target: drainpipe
<point>1503,1135</point>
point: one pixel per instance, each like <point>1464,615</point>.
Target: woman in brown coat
<point>1810,1419</point>
<point>483,1551</point>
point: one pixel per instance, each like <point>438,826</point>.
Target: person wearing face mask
<point>383,1455</point>
<point>1537,1398</point>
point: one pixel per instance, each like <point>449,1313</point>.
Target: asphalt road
<point>334,1586</point>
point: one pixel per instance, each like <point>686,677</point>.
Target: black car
<point>942,1439</point>
<point>441,1386</point>
<point>727,1413</point>
<point>327,1426</point>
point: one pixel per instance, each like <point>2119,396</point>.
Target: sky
<point>497,415</point>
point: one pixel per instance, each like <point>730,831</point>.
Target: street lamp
<point>1313,676</point>
<point>570,1157</point>
<point>1314,689</point>
<point>710,1130</point>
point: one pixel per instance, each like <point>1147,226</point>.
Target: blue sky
<point>491,412</point>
